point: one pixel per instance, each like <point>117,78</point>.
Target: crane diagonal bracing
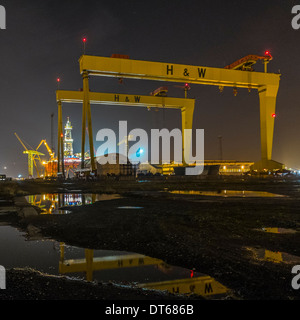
<point>267,85</point>
<point>185,105</point>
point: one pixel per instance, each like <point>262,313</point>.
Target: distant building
<point>68,141</point>
<point>228,167</point>
<point>147,168</point>
<point>108,169</point>
<point>213,167</point>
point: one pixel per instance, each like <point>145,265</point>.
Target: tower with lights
<point>68,141</point>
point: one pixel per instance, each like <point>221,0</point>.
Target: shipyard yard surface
<point>246,239</point>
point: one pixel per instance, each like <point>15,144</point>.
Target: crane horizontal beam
<point>124,99</point>
<point>186,106</point>
<point>105,263</point>
<point>137,69</point>
<point>33,152</point>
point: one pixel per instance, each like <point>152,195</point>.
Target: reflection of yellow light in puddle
<point>273,256</point>
<point>271,230</point>
<point>229,193</point>
<point>279,230</point>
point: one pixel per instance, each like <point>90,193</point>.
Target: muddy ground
<point>217,236</point>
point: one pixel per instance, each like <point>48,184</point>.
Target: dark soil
<point>28,284</point>
<point>213,235</point>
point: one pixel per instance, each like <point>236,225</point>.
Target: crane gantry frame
<point>185,105</point>
<point>267,85</point>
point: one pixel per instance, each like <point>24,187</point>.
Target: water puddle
<point>124,268</point>
<point>279,230</point>
<point>273,256</point>
<point>130,207</point>
<point>57,203</point>
<point>228,193</point>
<point>4,202</point>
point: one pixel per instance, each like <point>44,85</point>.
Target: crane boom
<point>21,141</point>
<point>51,154</point>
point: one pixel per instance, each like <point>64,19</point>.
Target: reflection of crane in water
<point>46,202</point>
<point>202,285</point>
<point>51,203</point>
<point>90,264</point>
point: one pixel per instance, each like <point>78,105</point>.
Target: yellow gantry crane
<point>32,155</point>
<point>237,75</point>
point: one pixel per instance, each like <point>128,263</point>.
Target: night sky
<point>43,41</point>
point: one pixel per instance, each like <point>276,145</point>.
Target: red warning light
<point>268,54</point>
<point>58,79</point>
<point>273,115</point>
<point>62,135</point>
<point>84,39</point>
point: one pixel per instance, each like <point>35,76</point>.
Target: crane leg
<point>187,115</point>
<point>59,132</point>
<point>267,97</point>
<point>83,132</point>
<point>87,116</point>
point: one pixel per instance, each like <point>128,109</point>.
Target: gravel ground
<point>218,236</point>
